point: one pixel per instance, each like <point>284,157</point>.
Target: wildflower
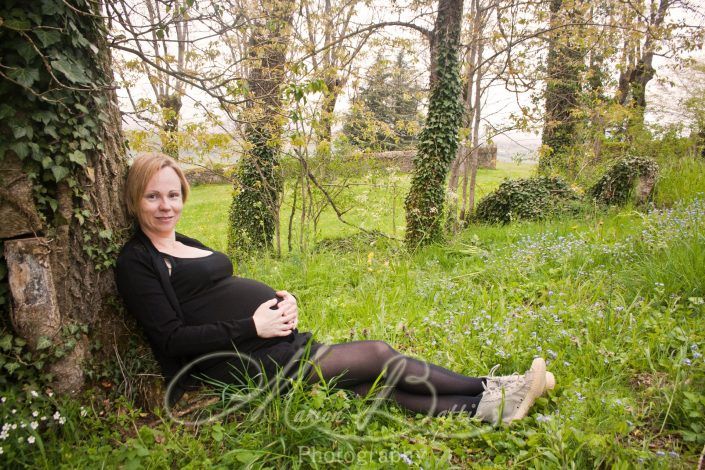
<point>687,361</point>
<point>697,355</point>
<point>43,418</point>
<point>50,393</point>
<point>35,413</point>
<point>542,418</point>
<point>14,411</point>
<point>30,439</point>
<point>3,399</point>
<point>4,435</point>
<point>56,416</point>
<point>34,425</point>
<point>84,412</point>
<point>407,460</point>
<point>660,453</point>
<point>566,363</point>
<point>1,451</point>
<point>552,354</point>
<point>673,454</point>
<point>62,420</point>
<point>14,426</point>
<point>34,393</point>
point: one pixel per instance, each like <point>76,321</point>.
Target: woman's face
<point>161,203</point>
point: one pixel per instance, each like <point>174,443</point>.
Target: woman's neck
<point>161,241</point>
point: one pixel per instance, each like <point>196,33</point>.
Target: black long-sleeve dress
<point>197,309</point>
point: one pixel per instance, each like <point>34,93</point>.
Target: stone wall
<point>403,159</point>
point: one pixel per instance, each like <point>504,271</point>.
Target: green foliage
<point>527,199</point>
<point>618,184</point>
<point>680,179</point>
<point>438,143</point>
<point>614,301</point>
<point>384,115</point>
<point>53,103</point>
<point>255,204</point>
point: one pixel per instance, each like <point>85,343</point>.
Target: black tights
<point>416,385</point>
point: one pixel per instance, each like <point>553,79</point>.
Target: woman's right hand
<point>273,322</point>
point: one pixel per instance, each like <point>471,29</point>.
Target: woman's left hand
<point>288,305</point>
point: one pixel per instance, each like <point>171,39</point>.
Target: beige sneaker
<point>512,398</point>
<point>500,380</point>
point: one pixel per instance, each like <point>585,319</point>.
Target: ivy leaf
<point>70,70</point>
<point>78,157</point>
<point>20,148</point>
<point>48,38</point>
<point>6,111</point>
<point>43,343</point>
<point>6,342</point>
<point>24,76</point>
<point>21,131</point>
<point>17,24</point>
<point>60,172</point>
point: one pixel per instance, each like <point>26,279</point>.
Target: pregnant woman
<point>189,304</point>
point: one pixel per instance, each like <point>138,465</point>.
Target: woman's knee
<point>383,351</point>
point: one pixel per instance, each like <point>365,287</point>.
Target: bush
<point>630,176</point>
<point>527,198</point>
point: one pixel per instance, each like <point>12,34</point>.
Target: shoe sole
<point>538,366</point>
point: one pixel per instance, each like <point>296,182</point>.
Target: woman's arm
<point>145,298</point>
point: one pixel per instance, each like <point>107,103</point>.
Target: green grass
<point>375,202</point>
<point>614,300</point>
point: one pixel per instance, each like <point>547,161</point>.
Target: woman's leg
<point>433,405</point>
<point>362,362</point>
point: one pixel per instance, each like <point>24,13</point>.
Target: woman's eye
<point>151,197</point>
<point>175,195</point>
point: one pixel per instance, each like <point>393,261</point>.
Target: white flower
<point>43,418</point>
<point>50,393</point>
<point>57,415</point>
<point>3,399</point>
<point>62,420</point>
<point>14,426</point>
<point>30,439</point>
<point>34,394</point>
<point>1,451</point>
<point>34,425</point>
<point>84,412</point>
<point>35,413</point>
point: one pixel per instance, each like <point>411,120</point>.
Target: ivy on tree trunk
<point>438,140</point>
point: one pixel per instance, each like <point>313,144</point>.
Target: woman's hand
<point>288,303</point>
<point>274,322</point>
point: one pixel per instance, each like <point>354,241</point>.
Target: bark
<point>438,142</point>
<point>254,213</point>
<point>563,83</point>
<point>83,291</point>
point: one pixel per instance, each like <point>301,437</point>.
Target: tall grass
<point>613,300</point>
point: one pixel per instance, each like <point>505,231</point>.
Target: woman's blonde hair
<point>145,166</point>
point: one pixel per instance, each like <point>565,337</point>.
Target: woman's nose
<point>164,204</point>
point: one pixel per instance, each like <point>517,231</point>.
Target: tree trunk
<point>438,142</point>
<point>170,106</point>
<point>254,212</point>
<point>563,84</point>
<point>77,180</point>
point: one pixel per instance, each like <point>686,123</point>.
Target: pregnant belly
<point>230,298</point>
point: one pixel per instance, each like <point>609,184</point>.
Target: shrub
<point>526,198</point>
<point>630,176</point>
